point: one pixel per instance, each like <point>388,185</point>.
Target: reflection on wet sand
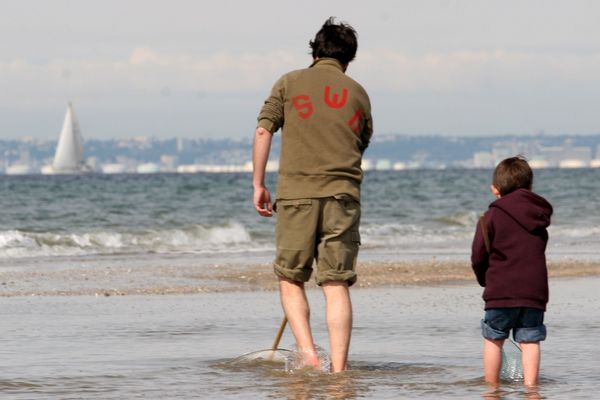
<point>306,383</point>
<point>308,386</point>
<point>512,392</point>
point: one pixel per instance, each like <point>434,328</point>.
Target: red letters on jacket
<point>303,104</point>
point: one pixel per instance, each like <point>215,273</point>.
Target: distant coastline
<point>146,155</point>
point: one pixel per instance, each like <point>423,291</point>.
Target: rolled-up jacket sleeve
<point>367,132</point>
<point>271,116</point>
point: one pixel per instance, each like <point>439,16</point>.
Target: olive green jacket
<point>326,124</point>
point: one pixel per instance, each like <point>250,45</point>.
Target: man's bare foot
<point>310,358</point>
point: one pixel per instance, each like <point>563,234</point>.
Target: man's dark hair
<point>511,174</point>
<point>335,41</point>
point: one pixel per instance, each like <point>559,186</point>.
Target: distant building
<point>148,168</point>
<point>538,163</point>
<point>181,145</point>
<point>484,159</point>
<point>566,156</point>
<point>20,169</point>
<point>22,166</point>
<point>113,168</point>
<point>573,163</point>
<point>272,166</point>
<point>383,165</point>
<point>510,148</point>
<point>168,162</point>
<point>595,163</point>
<point>92,162</point>
<point>119,165</point>
<point>399,166</point>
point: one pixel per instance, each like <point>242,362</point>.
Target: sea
<point>405,215</point>
<point>412,341</point>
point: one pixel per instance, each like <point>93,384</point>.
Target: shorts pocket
<point>294,203</point>
<point>295,235</point>
<point>295,224</point>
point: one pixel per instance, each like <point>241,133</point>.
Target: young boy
<point>513,268</point>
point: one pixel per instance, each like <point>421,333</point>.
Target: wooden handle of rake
<point>279,333</point>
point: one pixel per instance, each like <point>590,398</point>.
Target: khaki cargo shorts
<point>321,229</point>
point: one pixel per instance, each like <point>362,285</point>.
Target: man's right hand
<point>262,201</point>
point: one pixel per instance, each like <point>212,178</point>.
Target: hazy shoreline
<point>161,280</point>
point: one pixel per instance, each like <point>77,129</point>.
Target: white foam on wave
<point>577,242</point>
<point>457,238</point>
<point>13,238</point>
<point>410,235</point>
<point>230,237</point>
<point>578,232</point>
<point>235,239</point>
<point>464,219</point>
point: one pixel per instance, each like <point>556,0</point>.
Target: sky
<point>198,69</point>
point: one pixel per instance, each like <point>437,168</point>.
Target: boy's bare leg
<point>297,310</point>
<point>492,360</point>
<point>530,357</point>
<point>339,323</point>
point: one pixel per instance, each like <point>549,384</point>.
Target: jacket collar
<point>327,62</point>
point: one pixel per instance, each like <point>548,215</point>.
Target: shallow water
<point>408,342</point>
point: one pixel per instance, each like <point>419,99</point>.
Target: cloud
<point>144,55</point>
<point>147,90</point>
<point>148,71</point>
<point>475,70</point>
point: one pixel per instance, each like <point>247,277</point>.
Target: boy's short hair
<point>335,41</point>
<point>511,174</point>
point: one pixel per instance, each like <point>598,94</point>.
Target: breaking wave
<point>466,219</point>
<point>234,238</point>
<point>231,237</point>
<point>408,235</point>
<point>456,238</point>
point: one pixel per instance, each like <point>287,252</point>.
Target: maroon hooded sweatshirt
<point>514,274</point>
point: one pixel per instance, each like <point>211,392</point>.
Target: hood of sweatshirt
<point>527,208</point>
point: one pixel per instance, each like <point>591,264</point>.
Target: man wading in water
<point>325,117</point>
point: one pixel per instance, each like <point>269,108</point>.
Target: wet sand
<point>188,279</point>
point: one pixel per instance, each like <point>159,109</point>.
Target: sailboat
<point>68,158</point>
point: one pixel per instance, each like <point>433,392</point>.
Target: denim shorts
<point>526,323</point>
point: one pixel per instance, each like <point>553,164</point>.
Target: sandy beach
<point>131,279</point>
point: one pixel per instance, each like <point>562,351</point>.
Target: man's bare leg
<point>531,362</point>
<point>492,360</point>
<point>339,323</point>
<point>297,310</point>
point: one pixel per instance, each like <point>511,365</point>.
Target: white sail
<point>69,151</point>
